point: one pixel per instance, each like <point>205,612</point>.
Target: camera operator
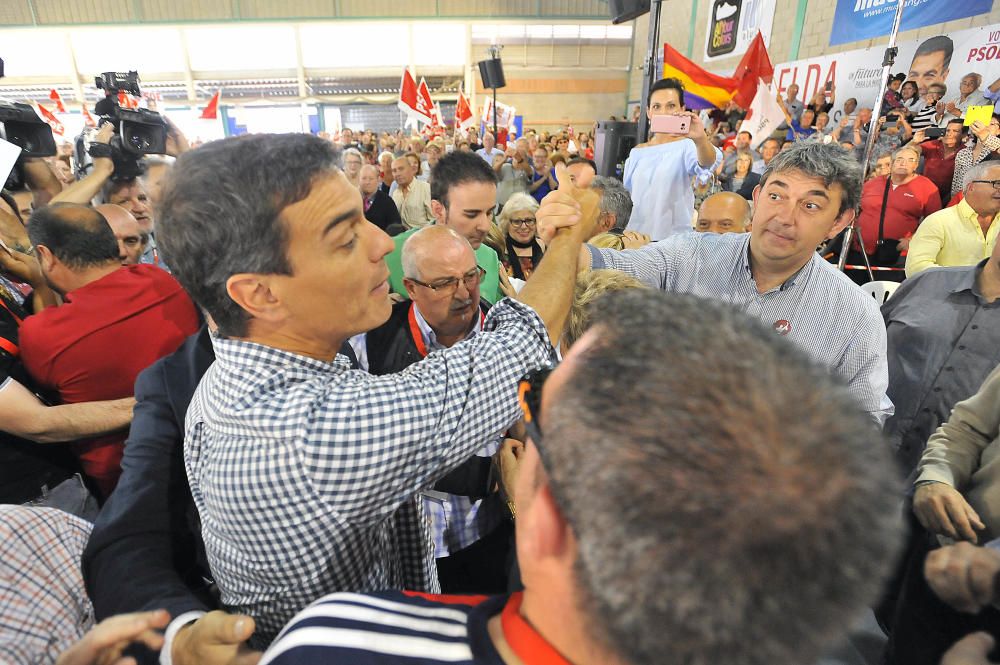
<point>129,193</point>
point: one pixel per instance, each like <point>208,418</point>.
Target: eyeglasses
<point>527,221</point>
<point>449,285</point>
<point>995,183</point>
<point>529,396</point>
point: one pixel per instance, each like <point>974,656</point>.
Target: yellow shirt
<point>950,237</point>
<point>414,204</point>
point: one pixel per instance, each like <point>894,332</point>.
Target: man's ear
<point>254,293</point>
<point>607,222</point>
<point>439,211</point>
<point>843,221</point>
<point>408,285</point>
<point>46,258</point>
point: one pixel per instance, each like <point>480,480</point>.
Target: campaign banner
<point>733,24</point>
<point>856,74</point>
<point>863,19</point>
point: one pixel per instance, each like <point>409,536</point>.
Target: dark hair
<point>743,131</point>
<point>458,168</point>
<point>582,160</point>
<point>77,235</point>
<point>937,43</point>
<point>220,213</point>
<point>668,84</point>
<point>710,497</point>
<point>830,163</point>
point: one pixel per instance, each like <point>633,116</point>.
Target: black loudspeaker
<point>613,140</point>
<point>491,71</point>
<point>626,10</point>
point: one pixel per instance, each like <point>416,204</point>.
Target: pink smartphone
<point>670,124</point>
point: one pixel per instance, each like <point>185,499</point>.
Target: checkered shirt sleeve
<point>305,473</point>
<point>44,607</point>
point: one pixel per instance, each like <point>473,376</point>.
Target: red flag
<point>754,65</point>
<point>425,105</point>
<point>87,118</point>
<point>463,112</point>
<point>53,122</point>
<point>407,102</point>
<point>211,112</point>
<point>54,96</point>
<point>127,101</point>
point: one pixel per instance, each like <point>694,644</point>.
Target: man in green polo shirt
<point>463,198</point>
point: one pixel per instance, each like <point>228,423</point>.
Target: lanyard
<point>418,336</point>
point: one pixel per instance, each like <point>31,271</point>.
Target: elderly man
<point>810,194</point>
<point>892,206</point>
<point>291,271</point>
<point>616,205</point>
<point>464,195</point>
<point>969,94</point>
<point>613,571</point>
<point>963,234</point>
<point>489,151</point>
<point>380,210</point>
<point>131,239</point>
<point>412,197</point>
<point>387,184</point>
<point>115,322</point>
<point>443,281</point>
<point>768,149</point>
<point>943,330</point>
<point>724,212</point>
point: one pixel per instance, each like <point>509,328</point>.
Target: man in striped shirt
<point>685,529</point>
<point>809,193</point>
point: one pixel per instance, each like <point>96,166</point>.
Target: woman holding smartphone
<point>658,173</point>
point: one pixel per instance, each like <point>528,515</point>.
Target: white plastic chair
<point>880,290</point>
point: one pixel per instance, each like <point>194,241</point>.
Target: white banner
<point>764,114</point>
<point>856,73</point>
<point>732,25</point>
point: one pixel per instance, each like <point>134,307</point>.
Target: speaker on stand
<point>613,141</point>
<point>491,73</point>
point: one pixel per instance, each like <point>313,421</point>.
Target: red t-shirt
<point>908,204</point>
<point>94,345</point>
<point>937,167</point>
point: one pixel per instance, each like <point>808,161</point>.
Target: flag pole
<point>888,61</point>
<point>649,69</point>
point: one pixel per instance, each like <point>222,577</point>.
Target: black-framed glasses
<point>995,183</point>
<point>450,284</point>
<point>529,396</point>
<point>524,221</point>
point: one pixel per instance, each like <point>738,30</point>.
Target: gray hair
<point>978,78</point>
<point>385,153</point>
<point>517,202</point>
<point>830,163</point>
<point>615,199</point>
<point>411,255</point>
<point>220,213</point>
<point>735,527</point>
<point>351,151</point>
<point>978,172</point>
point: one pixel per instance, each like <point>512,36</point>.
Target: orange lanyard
<point>418,337</point>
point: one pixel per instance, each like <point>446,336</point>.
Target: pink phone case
<point>670,124</point>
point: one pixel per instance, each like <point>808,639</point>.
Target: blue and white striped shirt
<point>818,308</point>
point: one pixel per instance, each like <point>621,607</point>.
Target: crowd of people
<point>382,397</point>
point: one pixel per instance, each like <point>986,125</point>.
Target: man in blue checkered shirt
<point>304,472</point>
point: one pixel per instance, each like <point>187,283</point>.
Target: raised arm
<point>84,190</point>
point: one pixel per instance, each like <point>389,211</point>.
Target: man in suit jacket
<point>379,208</point>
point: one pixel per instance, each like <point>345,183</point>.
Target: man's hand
<point>963,575</point>
<point>943,510</point>
<point>22,267</point>
<point>953,109</point>
<point>509,460</point>
<point>104,643</point>
<point>903,244</point>
<point>177,143</point>
<point>567,207</point>
<point>973,649</point>
<point>215,639</point>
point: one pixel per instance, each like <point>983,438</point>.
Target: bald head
<point>131,238</point>
<point>422,248</point>
<point>724,212</point>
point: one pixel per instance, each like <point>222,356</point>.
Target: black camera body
<point>20,125</point>
<point>138,132</point>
